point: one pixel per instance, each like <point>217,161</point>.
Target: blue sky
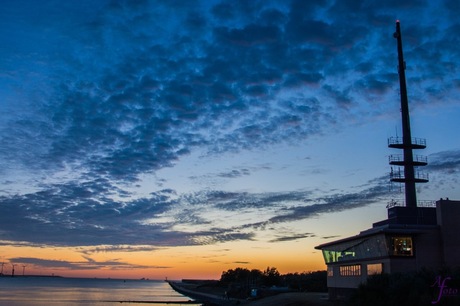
<point>134,125</point>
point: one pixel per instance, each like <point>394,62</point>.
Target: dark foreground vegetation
<point>242,283</point>
<point>425,287</point>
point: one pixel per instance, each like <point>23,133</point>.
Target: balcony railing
<point>397,142</point>
<point>398,176</point>
<point>398,159</point>
<point>402,203</point>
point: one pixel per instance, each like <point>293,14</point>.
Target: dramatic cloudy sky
<point>185,138</point>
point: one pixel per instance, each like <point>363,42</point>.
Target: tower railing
<point>402,203</point>
<point>398,141</point>
<point>399,159</point>
<point>398,176</point>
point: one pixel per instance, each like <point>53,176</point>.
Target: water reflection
<point>25,291</point>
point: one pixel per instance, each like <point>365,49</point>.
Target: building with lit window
<point>416,235</point>
<point>409,240</point>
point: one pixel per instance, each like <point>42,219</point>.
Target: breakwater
<point>205,298</point>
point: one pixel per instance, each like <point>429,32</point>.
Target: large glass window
<point>401,246</point>
<point>370,247</point>
<point>374,269</point>
<point>350,270</point>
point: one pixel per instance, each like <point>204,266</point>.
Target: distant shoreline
<point>29,275</point>
<point>78,277</point>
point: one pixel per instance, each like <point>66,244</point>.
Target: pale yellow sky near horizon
<point>200,261</point>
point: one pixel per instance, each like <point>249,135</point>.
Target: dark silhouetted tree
<point>272,277</point>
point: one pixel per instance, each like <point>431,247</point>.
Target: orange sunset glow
<point>173,263</point>
<point>154,139</point>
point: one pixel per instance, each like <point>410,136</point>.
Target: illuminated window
<point>401,246</point>
<point>374,269</point>
<point>356,249</point>
<point>350,270</point>
<point>330,271</point>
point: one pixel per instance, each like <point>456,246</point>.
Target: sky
<point>181,139</point>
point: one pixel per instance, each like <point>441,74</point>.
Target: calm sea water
<point>56,291</point>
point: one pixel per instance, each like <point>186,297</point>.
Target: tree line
<point>270,277</point>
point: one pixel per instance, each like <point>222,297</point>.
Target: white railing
<point>402,203</point>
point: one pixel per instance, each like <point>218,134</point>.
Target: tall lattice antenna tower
<point>408,161</point>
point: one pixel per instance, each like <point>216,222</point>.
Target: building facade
<point>409,240</point>
<point>414,236</point>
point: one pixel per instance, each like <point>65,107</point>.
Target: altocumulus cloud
<point>125,88</point>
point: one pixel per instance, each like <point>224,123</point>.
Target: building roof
<point>398,229</point>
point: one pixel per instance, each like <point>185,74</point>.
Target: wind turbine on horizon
<point>12,272</point>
